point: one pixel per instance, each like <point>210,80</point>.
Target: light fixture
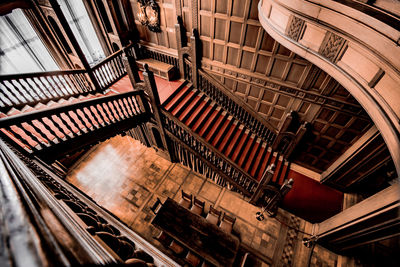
<point>149,14</point>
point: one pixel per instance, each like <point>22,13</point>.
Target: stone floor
<point>126,178</point>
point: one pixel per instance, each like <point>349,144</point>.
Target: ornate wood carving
<point>295,28</point>
<point>331,46</point>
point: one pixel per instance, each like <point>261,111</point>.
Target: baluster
<point>113,74</point>
<point>83,116</point>
<point>59,127</point>
<point>65,123</point>
<point>125,107</point>
<point>129,106</point>
<point>64,85</point>
<point>119,112</point>
<point>10,92</point>
<point>19,137</point>
<point>30,134</point>
<point>95,120</point>
<point>44,80</point>
<point>107,112</point>
<point>76,84</point>
<point>69,85</point>
<point>124,115</point>
<point>48,128</point>
<point>41,134</point>
<point>24,89</point>
<point>73,121</point>
<point>104,71</point>
<point>113,111</point>
<point>133,103</point>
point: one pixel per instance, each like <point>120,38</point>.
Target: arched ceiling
<point>267,76</point>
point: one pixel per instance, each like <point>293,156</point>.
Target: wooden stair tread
<point>246,151</point>
<point>177,108</point>
<point>228,136</point>
<point>175,100</point>
<point>264,163</point>
<point>203,118</point>
<point>236,138</point>
<point>210,121</point>
<point>252,156</point>
<point>241,143</point>
<point>258,160</point>
<point>222,132</point>
<point>192,108</point>
<point>197,113</point>
<point>214,126</point>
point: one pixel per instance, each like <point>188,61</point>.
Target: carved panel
<point>332,46</point>
<point>295,28</point>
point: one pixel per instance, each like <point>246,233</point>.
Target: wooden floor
<point>125,177</point>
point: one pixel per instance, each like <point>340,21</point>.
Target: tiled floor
<point>126,178</point>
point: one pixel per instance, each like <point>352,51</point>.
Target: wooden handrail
<point>40,74</point>
<point>254,121</point>
<point>53,132</point>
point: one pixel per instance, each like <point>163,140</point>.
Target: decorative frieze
<point>295,28</point>
<point>331,46</point>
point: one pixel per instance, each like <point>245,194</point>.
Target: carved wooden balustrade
<point>193,151</point>
<point>48,222</point>
<point>55,131</point>
<point>18,90</point>
<point>148,52</point>
<point>111,69</point>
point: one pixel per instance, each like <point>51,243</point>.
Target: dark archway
<point>115,47</point>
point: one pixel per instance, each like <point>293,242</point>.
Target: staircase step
<point>183,92</point>
<point>241,145</point>
<point>209,112</point>
<point>244,156</point>
<point>184,103</point>
<point>189,107</point>
<point>200,110</point>
<point>216,131</point>
<point>266,161</point>
<point>175,93</point>
<point>210,122</point>
<point>235,139</point>
<point>278,164</point>
<point>284,172</point>
<point>252,157</point>
<point>227,136</point>
<point>258,160</point>
<point>193,108</point>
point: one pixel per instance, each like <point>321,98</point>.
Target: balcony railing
<point>57,131</point>
<point>18,90</point>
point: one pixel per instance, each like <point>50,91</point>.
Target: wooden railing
<point>51,132</point>
<point>109,70</point>
<point>170,59</point>
<point>233,176</point>
<point>48,220</point>
<point>236,107</point>
<point>18,90</point>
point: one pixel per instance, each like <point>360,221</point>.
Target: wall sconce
<point>149,14</point>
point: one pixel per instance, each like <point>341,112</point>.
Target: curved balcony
<point>360,51</point>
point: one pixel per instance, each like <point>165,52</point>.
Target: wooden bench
<point>159,68</point>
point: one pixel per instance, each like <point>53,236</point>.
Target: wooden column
<point>74,42</point>
<point>131,67</point>
<point>151,88</point>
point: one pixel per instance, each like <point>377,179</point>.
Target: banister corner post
<point>151,90</point>
<point>131,67</point>
<point>196,57</point>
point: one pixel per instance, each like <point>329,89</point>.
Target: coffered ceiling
<point>267,76</point>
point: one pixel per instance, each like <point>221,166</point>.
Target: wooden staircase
<point>225,133</point>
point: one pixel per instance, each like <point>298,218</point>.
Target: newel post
<point>196,57</point>
<point>151,90</point>
<point>131,66</point>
